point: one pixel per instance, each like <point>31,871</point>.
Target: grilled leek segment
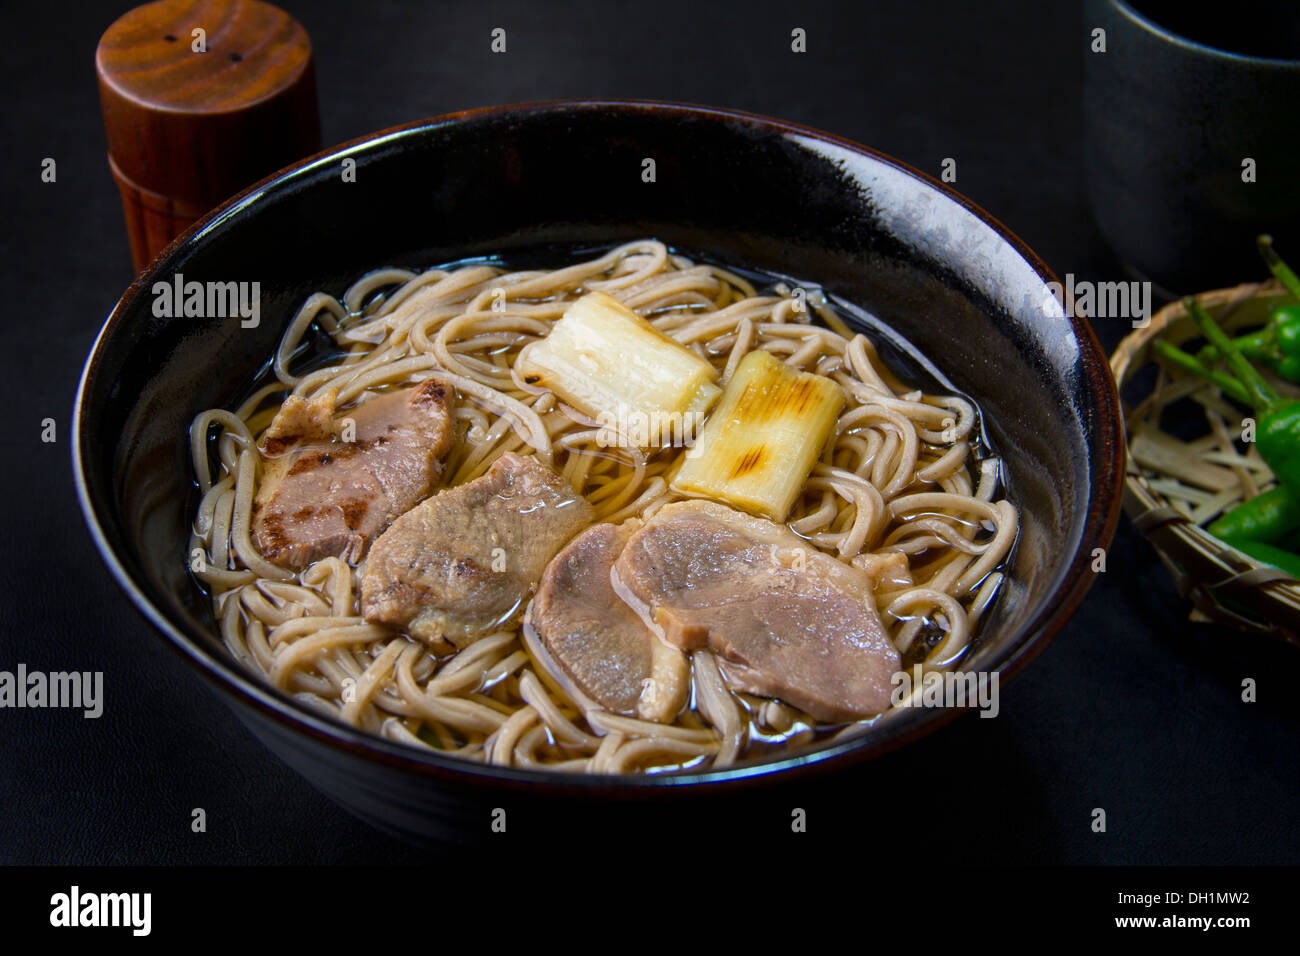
<point>758,448</point>
<point>611,364</point>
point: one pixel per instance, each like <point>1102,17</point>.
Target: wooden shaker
<point>201,98</point>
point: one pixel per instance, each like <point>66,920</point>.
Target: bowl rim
<point>1100,522</point>
<point>1144,21</point>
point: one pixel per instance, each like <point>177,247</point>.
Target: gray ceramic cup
<point>1192,135</point>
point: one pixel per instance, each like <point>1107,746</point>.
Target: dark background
<point>1130,708</point>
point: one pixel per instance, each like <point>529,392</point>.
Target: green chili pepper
<point>1268,518</point>
<point>1277,433</point>
<point>1290,281</point>
<point>1254,527</point>
<point>1277,344</point>
<point>1288,342</point>
<point>1270,554</point>
<point>1227,384</point>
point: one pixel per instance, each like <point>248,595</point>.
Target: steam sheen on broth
<point>901,513</point>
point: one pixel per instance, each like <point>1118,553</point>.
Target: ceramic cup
<point>1191,141</point>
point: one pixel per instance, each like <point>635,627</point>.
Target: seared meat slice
<point>324,495</point>
<point>463,562</point>
<point>594,644</point>
<point>784,619</point>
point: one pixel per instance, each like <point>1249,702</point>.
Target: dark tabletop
<point>1130,708</point>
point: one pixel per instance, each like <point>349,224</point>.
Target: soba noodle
<point>899,477</point>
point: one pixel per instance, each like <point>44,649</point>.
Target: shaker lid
<point>202,99</point>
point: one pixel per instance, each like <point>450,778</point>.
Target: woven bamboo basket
<point>1223,584</point>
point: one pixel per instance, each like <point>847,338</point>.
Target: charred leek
<point>760,445</point>
<point>611,364</point>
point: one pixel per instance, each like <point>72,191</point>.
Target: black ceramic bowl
<point>530,180</point>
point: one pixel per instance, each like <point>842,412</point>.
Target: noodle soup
<point>881,506</point>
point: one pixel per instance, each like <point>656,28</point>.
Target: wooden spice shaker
<point>201,98</point>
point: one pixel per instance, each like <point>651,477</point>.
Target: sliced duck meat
<point>593,643</point>
<point>784,620</point>
<point>299,421</point>
<point>332,481</point>
<point>463,562</point>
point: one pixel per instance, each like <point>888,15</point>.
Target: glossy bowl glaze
<point>532,182</point>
